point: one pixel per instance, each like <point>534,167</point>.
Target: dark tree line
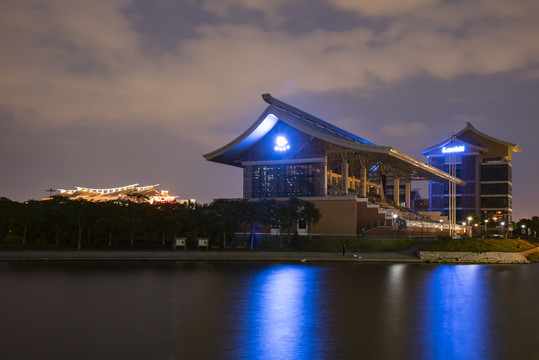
<point>80,223</point>
<point>524,224</point>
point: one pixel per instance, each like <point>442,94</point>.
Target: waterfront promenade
<point>205,255</point>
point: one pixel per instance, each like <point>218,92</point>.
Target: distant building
<point>484,163</point>
<point>128,192</point>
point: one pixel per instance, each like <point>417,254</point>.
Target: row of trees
<point>524,224</point>
<point>60,221</point>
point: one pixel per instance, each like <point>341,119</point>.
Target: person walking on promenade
<point>343,249</point>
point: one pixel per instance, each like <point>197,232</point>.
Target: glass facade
<point>496,188</point>
<point>286,180</point>
<point>495,172</point>
<point>488,189</point>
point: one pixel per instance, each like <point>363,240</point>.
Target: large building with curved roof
<point>287,152</point>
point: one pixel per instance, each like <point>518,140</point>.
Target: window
<point>494,189</point>
<point>498,172</point>
<point>286,180</point>
<point>494,202</point>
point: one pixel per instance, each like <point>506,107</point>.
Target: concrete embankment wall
<point>473,257</point>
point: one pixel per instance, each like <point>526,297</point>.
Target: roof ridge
<point>313,119</point>
<point>470,127</point>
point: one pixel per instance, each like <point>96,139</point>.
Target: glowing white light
<point>281,144</point>
<point>459,148</point>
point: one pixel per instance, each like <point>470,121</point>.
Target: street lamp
<point>395,224</point>
<point>469,226</point>
<point>486,222</point>
<point>503,228</point>
<point>523,229</point>
<point>441,227</point>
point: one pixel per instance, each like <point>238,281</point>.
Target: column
<point>407,191</point>
<point>396,190</point>
<point>324,180</point>
<point>382,189</point>
<point>363,182</point>
<point>344,172</point>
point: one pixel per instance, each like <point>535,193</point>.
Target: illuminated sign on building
<point>453,149</point>
<point>281,144</point>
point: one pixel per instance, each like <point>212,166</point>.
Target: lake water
<point>225,310</point>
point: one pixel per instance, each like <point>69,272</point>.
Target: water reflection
<point>455,322</point>
<point>147,310</point>
<point>282,319</point>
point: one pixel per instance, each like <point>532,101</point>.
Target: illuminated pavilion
<point>358,186</point>
<point>132,192</point>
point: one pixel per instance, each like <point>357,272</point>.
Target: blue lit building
<point>484,163</point>
<point>287,153</point>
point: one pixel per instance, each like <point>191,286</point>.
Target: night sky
<point>106,93</point>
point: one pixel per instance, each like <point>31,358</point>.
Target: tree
<point>55,210</point>
<point>296,207</point>
<point>266,214</point>
<point>78,209</point>
<point>311,215</point>
<point>27,213</point>
<point>7,212</point>
<point>227,212</point>
<point>285,218</point>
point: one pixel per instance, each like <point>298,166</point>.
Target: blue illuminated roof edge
<point>294,118</point>
<point>300,114</point>
<point>443,143</point>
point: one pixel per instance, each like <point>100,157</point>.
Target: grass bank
<point>533,257</point>
<point>323,244</point>
<point>319,244</point>
<point>480,245</point>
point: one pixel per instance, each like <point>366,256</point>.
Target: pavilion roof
<point>476,141</point>
<point>318,128</point>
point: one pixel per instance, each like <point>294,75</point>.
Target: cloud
<point>470,118</point>
<point>404,130</point>
<point>67,64</point>
<point>270,9</point>
<point>382,7</point>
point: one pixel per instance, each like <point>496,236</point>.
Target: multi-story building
<point>484,163</point>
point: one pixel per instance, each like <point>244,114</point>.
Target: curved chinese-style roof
<point>318,128</point>
<point>479,138</point>
<point>450,142</point>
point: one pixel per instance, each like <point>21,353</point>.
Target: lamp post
<point>523,229</point>
<point>395,224</point>
<point>486,222</point>
<point>503,228</point>
<point>469,226</point>
<point>441,228</point>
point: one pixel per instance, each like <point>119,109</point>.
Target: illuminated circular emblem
<point>281,144</point>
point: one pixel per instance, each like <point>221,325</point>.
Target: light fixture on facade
<point>281,144</point>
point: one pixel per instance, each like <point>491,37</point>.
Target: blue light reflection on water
<point>282,319</point>
<point>455,320</point>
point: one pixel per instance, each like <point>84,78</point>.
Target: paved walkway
<point>204,255</point>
